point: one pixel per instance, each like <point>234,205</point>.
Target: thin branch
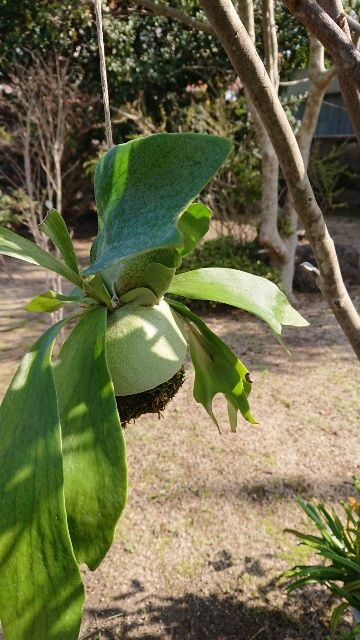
<point>338,45</point>
<point>247,64</point>
<point>169,12</point>
<point>327,22</point>
<point>353,24</point>
<point>104,83</point>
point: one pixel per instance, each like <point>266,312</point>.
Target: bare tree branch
<point>331,35</point>
<point>350,93</point>
<point>327,21</point>
<point>169,12</point>
<point>244,57</point>
<point>353,24</point>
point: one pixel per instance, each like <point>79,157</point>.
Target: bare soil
<point>199,549</point>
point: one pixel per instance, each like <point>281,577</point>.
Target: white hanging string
<point>104,84</point>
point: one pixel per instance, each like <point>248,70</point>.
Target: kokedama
<point>62,453</point>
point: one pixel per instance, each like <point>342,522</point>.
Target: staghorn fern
<point>63,476</point>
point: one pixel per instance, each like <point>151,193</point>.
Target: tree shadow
<point>215,617</point>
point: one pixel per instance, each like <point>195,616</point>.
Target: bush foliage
<point>228,252</point>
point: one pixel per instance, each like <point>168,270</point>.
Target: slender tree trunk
<point>247,64</point>
<point>319,80</point>
<point>269,236</point>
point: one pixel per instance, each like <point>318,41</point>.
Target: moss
<point>152,401</point>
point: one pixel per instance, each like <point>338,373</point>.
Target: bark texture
<point>236,41</point>
<point>319,79</point>
<point>327,21</point>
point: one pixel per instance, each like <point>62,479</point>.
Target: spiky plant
<point>338,547</point>
<point>62,453</point>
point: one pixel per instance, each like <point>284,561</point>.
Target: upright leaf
<point>217,369</point>
<point>239,289</point>
<point>93,443</point>
<point>55,228</point>
<point>11,244</point>
<point>193,224</point>
<point>143,186</point>
<point>41,593</point>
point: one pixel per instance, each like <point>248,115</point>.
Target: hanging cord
<point>104,84</point>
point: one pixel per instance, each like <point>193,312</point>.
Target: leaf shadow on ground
<point>214,617</point>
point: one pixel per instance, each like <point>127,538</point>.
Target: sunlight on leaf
<point>50,301</point>
<point>55,228</point>
<point>11,244</point>
<point>93,444</point>
<point>144,185</point>
<point>41,593</point>
<point>193,224</point>
<point>239,289</point>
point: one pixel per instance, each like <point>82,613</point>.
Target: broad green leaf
<point>239,289</point>
<point>51,301</point>
<point>193,224</point>
<point>217,369</point>
<point>143,186</point>
<point>55,228</point>
<point>41,594</point>
<point>11,244</point>
<point>93,444</point>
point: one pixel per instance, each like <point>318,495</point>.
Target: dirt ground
<point>201,544</point>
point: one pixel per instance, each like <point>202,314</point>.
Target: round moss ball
<point>146,346</point>
<point>151,401</point>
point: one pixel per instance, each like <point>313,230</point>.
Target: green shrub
<point>229,253</point>
<point>226,252</point>
<point>325,172</point>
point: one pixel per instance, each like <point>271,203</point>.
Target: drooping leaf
<point>11,244</point>
<point>239,289</point>
<point>41,593</point>
<point>217,369</point>
<point>55,228</point>
<point>93,444</point>
<point>193,224</point>
<point>143,186</point>
<point>50,301</point>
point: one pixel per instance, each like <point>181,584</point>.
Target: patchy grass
<point>201,544</point>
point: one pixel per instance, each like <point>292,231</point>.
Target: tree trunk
<point>269,236</point>
<point>319,79</point>
<point>247,64</point>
